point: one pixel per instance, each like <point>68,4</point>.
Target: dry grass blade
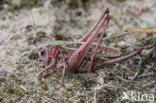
<point>142,30</point>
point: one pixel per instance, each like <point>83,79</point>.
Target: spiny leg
<point>86,36</point>
<point>46,69</point>
<point>97,46</point>
<point>77,56</point>
<point>63,75</point>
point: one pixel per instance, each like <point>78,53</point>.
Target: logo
<point>137,96</point>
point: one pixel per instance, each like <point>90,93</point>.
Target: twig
<point>142,30</point>
<point>139,68</point>
<point>146,75</point>
<point>117,36</point>
<point>123,79</point>
<point>131,31</point>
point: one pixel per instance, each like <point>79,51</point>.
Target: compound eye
<point>42,52</point>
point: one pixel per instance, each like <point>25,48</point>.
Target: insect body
<point>67,48</point>
<point>72,56</point>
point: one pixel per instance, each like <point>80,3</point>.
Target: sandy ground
<point>20,65</point>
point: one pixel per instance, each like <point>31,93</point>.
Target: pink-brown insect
<point>73,56</point>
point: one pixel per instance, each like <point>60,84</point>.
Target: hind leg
<point>78,55</point>
<point>86,36</point>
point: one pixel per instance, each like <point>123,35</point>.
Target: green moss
<point>131,88</point>
<point>40,34</point>
<point>33,55</point>
<point>20,67</point>
<point>43,82</point>
<point>63,93</point>
<point>20,93</point>
<point>11,90</point>
<point>45,87</point>
<point>3,27</point>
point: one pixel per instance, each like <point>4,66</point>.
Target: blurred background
<point>27,23</point>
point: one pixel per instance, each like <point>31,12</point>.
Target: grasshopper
<point>72,56</point>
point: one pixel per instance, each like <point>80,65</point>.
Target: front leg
<point>63,64</point>
<point>53,61</point>
<point>65,67</point>
<point>63,75</point>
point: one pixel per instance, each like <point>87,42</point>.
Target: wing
<point>103,51</point>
